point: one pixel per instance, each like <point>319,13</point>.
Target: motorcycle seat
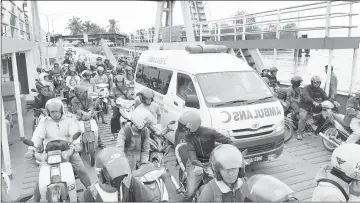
<point>340,118</point>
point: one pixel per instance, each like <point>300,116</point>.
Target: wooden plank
<point>308,151</point>
<point>324,159</point>
<point>300,148</point>
<point>315,155</point>
<point>297,180</point>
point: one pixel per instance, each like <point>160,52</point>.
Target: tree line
<point>78,27</point>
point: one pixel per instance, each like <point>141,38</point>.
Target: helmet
<point>315,79</point>
<point>128,68</point>
<point>357,93</point>
<point>87,73</point>
<point>266,188</point>
<point>112,165</point>
<point>119,69</point>
<point>56,63</point>
<point>146,94</point>
<point>100,68</point>
<point>273,69</point>
<point>81,92</point>
<point>107,60</point>
<point>54,103</point>
<point>140,117</point>
<point>99,58</point>
<point>38,69</point>
<point>265,68</point>
<point>227,156</point>
<point>296,80</point>
<point>343,160</point>
<point>190,120</point>
<point>72,68</point>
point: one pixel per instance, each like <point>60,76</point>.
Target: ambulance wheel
<point>289,132</point>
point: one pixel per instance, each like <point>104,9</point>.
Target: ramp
<point>108,53</point>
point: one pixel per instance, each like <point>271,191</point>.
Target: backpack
<point>337,185</point>
<point>129,134</point>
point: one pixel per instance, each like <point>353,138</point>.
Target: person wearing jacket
<point>108,65</point>
<point>311,96</point>
<point>272,77</point>
<point>146,96</point>
<point>200,142</point>
<point>100,77</point>
<point>133,139</point>
<point>339,181</point>
<point>88,81</point>
<point>352,117</point>
<point>293,95</point>
<point>116,183</point>
<point>228,164</point>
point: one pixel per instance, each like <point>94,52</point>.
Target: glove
<point>77,147</point>
<point>336,104</point>
<point>30,153</point>
<point>198,170</point>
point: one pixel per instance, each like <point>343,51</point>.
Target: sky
<point>133,15</point>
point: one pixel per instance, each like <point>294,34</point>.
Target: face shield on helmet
<point>346,159</point>
<point>316,81</point>
<point>189,122</point>
<point>55,108</point>
<point>112,166</point>
<point>226,157</point>
<point>81,92</point>
<point>265,188</point>
<point>147,96</point>
<point>140,117</point>
<point>100,70</point>
<point>265,70</point>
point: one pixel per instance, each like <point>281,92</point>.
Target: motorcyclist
<point>100,77</point>
<point>352,117</point>
<point>200,142</point>
<point>338,181</point>
<point>44,79</point>
<point>228,165</point>
<point>108,65</point>
<point>293,95</point>
<point>83,108</point>
<point>120,90</point>
<point>72,80</point>
<point>272,77</point>
<point>58,126</point>
<point>129,73</point>
<point>312,95</point>
<point>146,97</point>
<point>65,68</point>
<point>66,59</point>
<point>133,139</point>
<point>44,95</point>
<point>115,177</point>
<point>120,71</point>
<point>264,72</point>
<point>99,62</point>
<point>88,81</point>
<point>266,188</point>
<point>56,70</point>
<point>110,78</point>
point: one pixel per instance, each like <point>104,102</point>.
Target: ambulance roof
<point>182,60</point>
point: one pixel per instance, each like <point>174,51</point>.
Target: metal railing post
<point>354,72</point>
<point>277,34</point>
<point>219,30</point>
<point>201,32</point>
<point>297,50</point>
<point>350,18</point>
<point>261,28</point>
<point>243,28</point>
<point>235,29</point>
<point>5,152</point>
<point>327,33</point>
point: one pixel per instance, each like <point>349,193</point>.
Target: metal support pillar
<point>350,18</point>
<point>185,6</point>
<point>327,33</point>
<point>5,152</point>
<point>17,96</point>
<point>277,34</point>
<point>354,70</point>
<point>297,50</point>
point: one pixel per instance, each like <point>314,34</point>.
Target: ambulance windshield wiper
<point>260,100</point>
<point>230,102</point>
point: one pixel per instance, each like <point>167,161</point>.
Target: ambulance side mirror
<point>192,102</point>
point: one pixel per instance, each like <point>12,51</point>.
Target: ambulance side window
<point>185,86</point>
<point>154,78</point>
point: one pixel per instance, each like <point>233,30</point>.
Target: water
<point>315,65</point>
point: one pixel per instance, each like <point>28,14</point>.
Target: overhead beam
<point>300,43</point>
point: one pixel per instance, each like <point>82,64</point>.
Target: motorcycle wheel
<point>92,158</point>
<point>289,131</point>
<point>330,132</point>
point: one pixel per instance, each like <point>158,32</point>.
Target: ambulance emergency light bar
<point>206,49</point>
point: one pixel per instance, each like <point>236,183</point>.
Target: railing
<point>14,22</point>
<point>249,24</point>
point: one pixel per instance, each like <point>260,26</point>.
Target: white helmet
<point>140,117</point>
<point>344,158</point>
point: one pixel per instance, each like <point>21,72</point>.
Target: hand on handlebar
<point>336,104</point>
<point>198,170</point>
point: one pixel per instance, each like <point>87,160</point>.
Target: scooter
<point>126,107</point>
<point>56,176</point>
<point>89,137</point>
<point>103,97</point>
<point>151,177</point>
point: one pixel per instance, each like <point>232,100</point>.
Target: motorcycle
<point>126,107</point>
<point>151,177</point>
<point>158,141</point>
<point>59,85</point>
<point>103,97</point>
<point>338,133</point>
<point>89,137</point>
<point>56,176</point>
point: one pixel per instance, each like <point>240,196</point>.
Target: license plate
<point>254,159</point>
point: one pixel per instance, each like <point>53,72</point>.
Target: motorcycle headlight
<point>279,127</point>
<point>54,159</point>
<point>224,132</point>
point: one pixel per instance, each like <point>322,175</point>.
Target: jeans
<point>355,127</point>
<point>79,169</point>
<point>115,120</point>
<point>303,115</point>
<point>193,182</point>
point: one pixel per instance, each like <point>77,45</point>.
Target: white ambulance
<point>228,94</point>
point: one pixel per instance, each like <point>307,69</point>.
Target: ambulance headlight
<point>224,132</point>
<point>279,127</point>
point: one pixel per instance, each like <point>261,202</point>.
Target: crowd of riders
<point>65,97</point>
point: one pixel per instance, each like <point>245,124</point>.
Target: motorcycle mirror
<point>76,135</point>
<point>28,142</point>
<point>33,90</point>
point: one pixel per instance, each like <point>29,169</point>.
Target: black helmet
<point>296,80</point>
<point>273,69</point>
<point>266,188</point>
<point>146,94</point>
<point>119,69</point>
<point>99,58</point>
